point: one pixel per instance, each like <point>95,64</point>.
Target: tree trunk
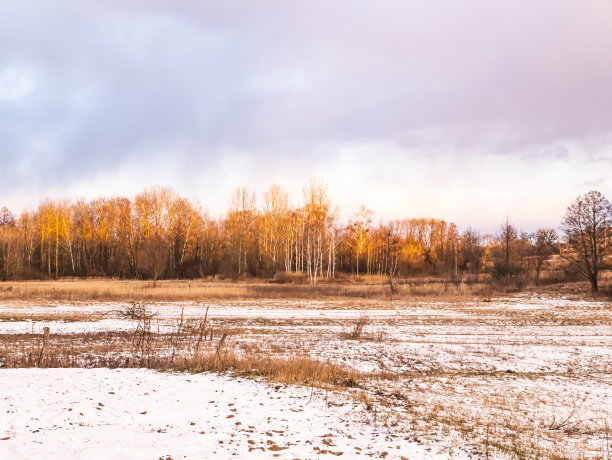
<point>593,280</point>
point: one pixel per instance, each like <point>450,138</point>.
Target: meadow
<point>436,370</point>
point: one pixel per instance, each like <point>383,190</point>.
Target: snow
<point>503,369</point>
<point>143,414</point>
<point>65,327</point>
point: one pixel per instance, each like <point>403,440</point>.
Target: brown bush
<point>289,278</point>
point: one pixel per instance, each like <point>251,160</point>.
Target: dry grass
<point>500,421</point>
<point>188,348</point>
<point>461,368</point>
<point>183,290</point>
<point>300,369</point>
<point>116,290</point>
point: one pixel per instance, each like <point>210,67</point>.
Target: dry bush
<point>570,420</point>
<point>357,330</point>
<point>137,310</point>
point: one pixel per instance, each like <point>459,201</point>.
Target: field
<point>194,371</point>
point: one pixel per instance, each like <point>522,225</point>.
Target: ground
<point>144,414</point>
<point>527,375</point>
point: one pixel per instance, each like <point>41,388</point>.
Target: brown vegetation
<point>190,348</point>
<point>196,290</point>
<point>504,378</point>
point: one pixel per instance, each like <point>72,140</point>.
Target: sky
<point>469,111</point>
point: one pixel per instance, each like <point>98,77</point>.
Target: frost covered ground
<point>144,414</point>
<point>528,375</point>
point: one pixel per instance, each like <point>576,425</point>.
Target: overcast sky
<point>465,110</point>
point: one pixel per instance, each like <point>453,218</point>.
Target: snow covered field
<point>143,414</point>
<point>526,375</point>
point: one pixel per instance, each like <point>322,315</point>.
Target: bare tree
<point>276,205</point>
<point>358,232</point>
<point>585,227</point>
<point>472,251</point>
<point>154,255</point>
<point>240,220</point>
<point>391,235</point>
<point>8,244</point>
<point>543,241</point>
<point>507,236</point>
<point>319,220</point>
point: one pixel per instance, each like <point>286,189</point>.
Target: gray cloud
<point>185,84</point>
<point>594,183</point>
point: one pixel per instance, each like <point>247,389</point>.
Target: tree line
<point>160,234</point>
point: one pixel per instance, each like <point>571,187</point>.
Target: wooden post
<point>46,333</point>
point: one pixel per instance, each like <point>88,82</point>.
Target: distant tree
<point>507,236</point>
<point>392,241</point>
<point>471,251</point>
<point>240,226</point>
<point>154,256</point>
<point>7,218</point>
<point>317,227</point>
<point>273,223</point>
<point>585,227</point>
<point>452,249</point>
<point>358,232</point>
<point>27,235</point>
<point>8,243</point>
<point>158,234</point>
<point>182,221</point>
<point>543,241</point>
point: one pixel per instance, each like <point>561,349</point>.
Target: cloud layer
<point>464,110</point>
